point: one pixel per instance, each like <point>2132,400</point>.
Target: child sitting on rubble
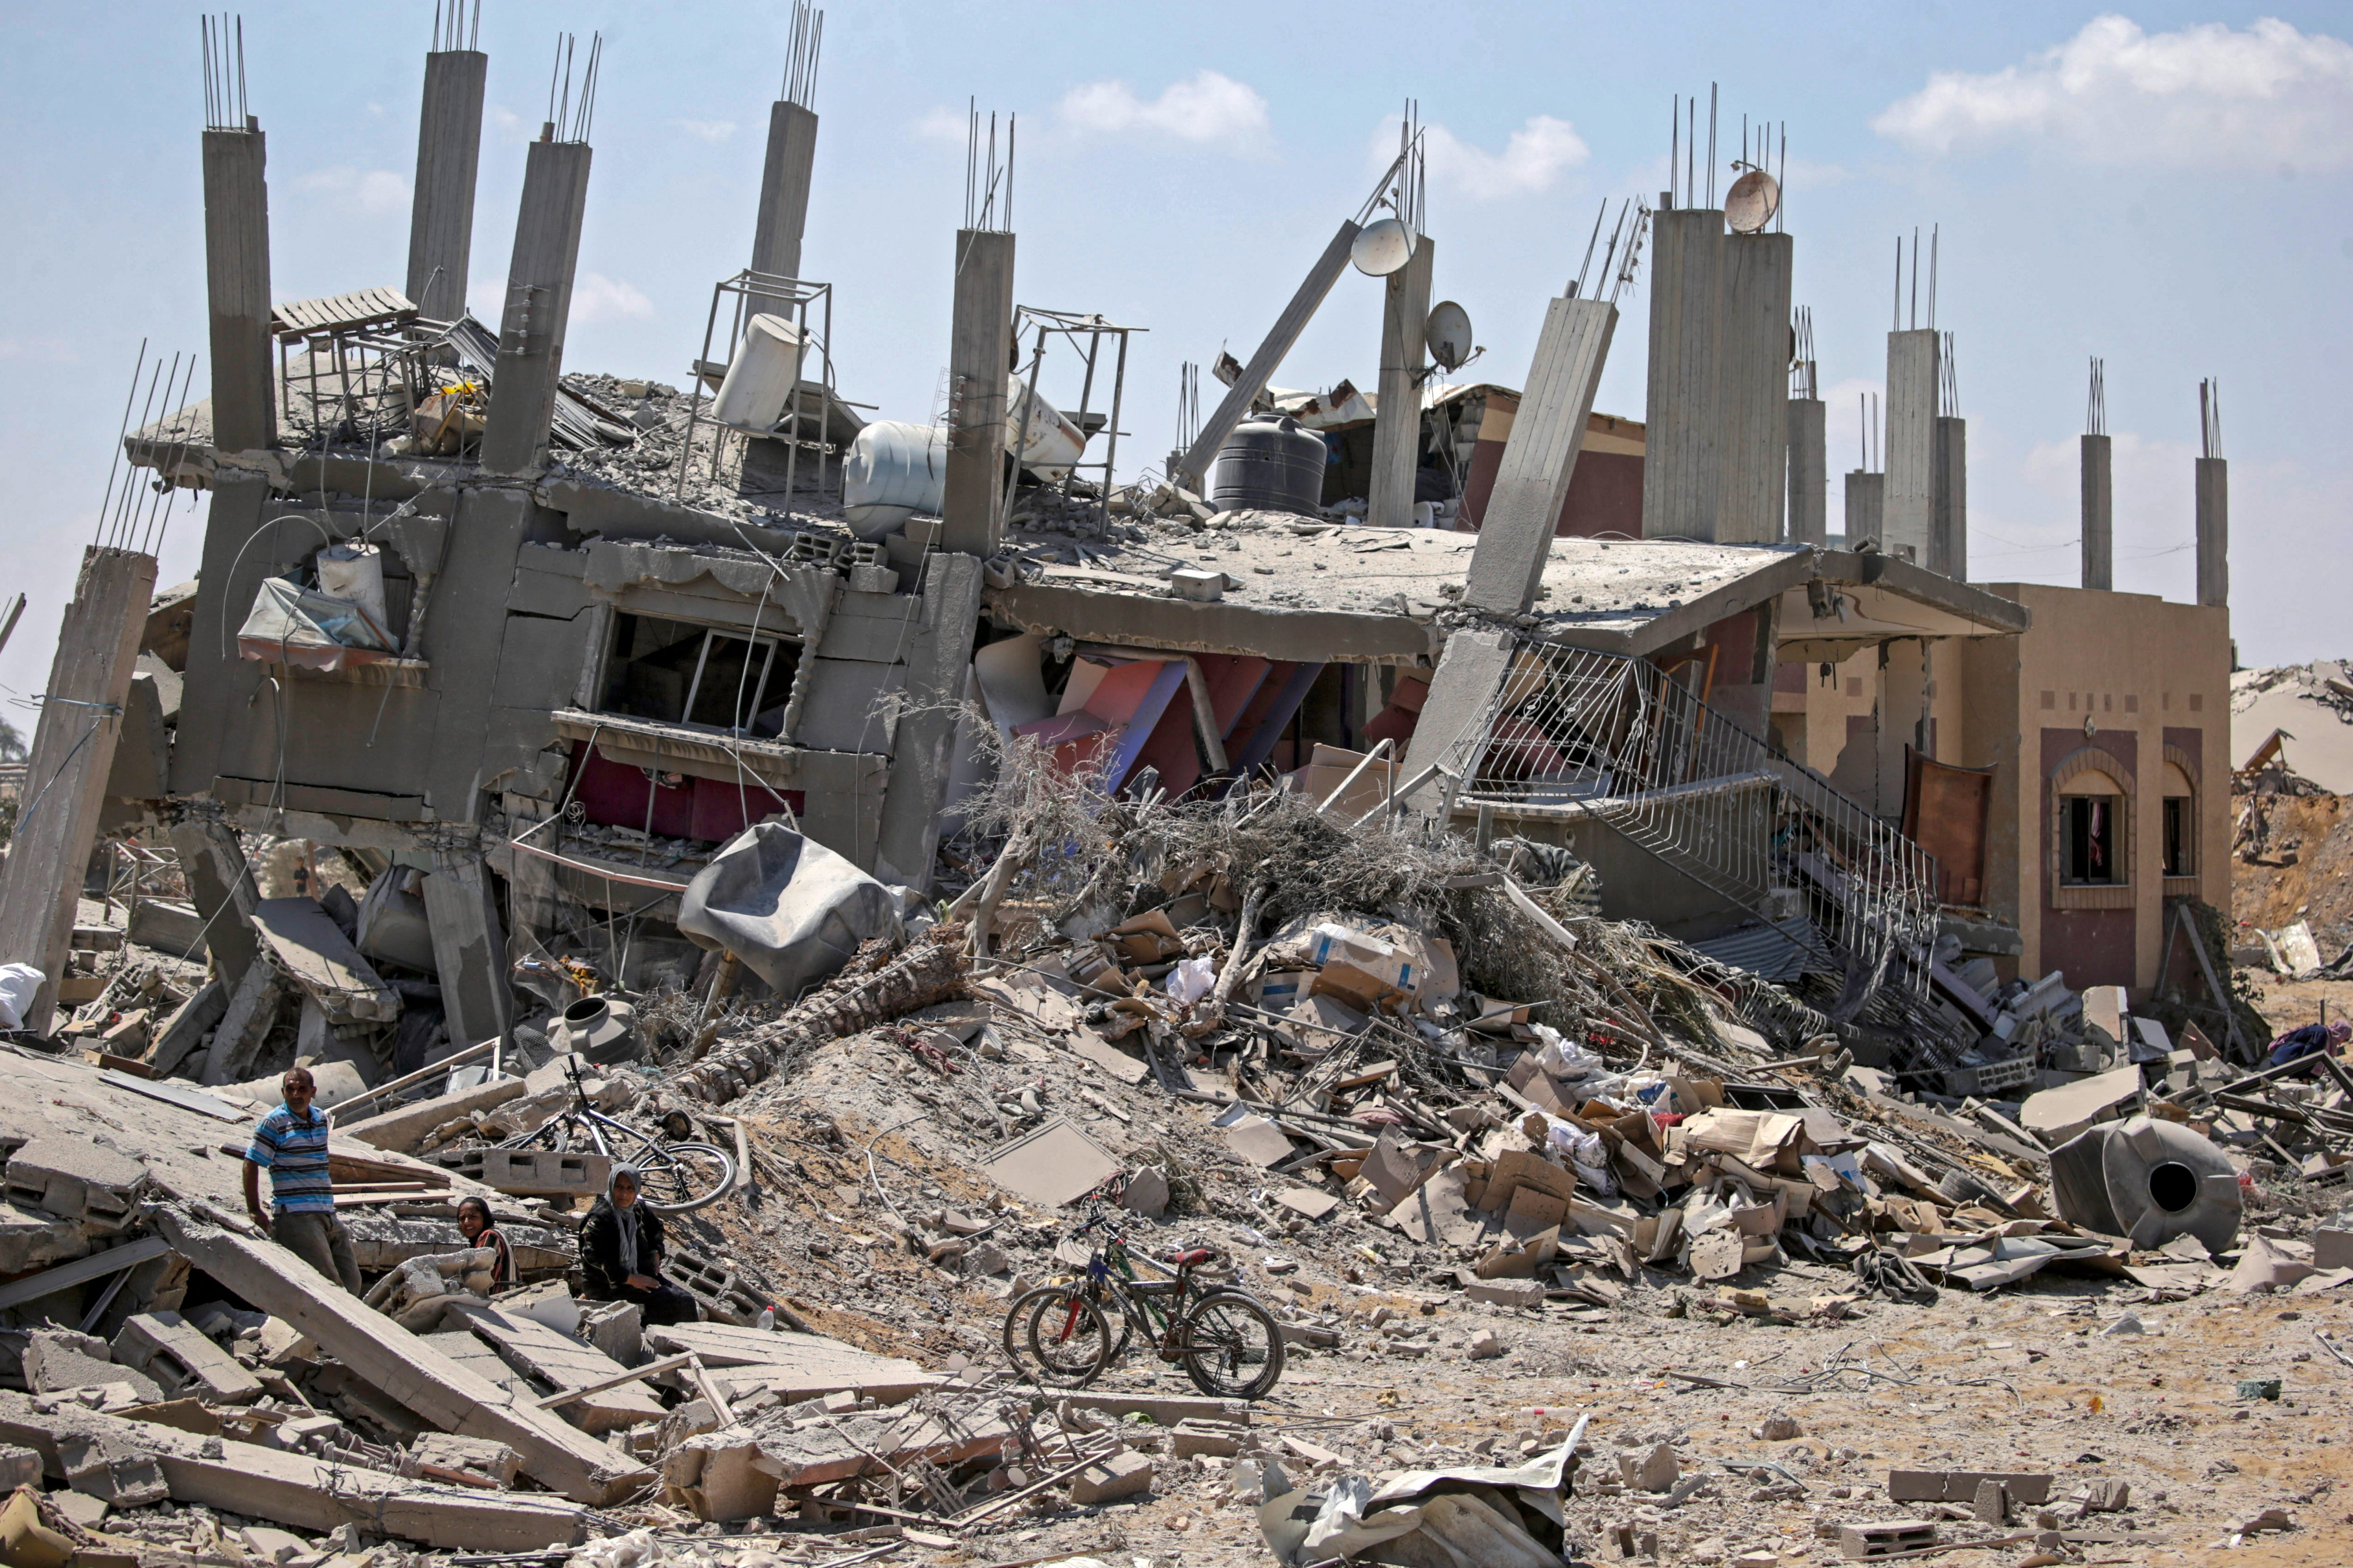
<point>474,1219</point>
<point>621,1251</point>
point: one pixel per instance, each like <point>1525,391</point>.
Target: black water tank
<point>1271,465</point>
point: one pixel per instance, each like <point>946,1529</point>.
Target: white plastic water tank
<point>893,471</point>
<point>1048,443</point>
<point>767,366</point>
<point>356,573</point>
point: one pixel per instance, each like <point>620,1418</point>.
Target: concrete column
<point>237,281</point>
<point>1753,385</point>
<point>1539,456</point>
<point>921,759</point>
<point>1866,507</point>
<point>1809,471</point>
<point>221,886</point>
<point>1193,469</point>
<point>980,358</point>
<point>2099,515</point>
<point>1397,421</point>
<point>1473,665</point>
<point>539,301</point>
<point>2213,531</point>
<point>468,948</point>
<point>1909,519</point>
<point>65,776</point>
<point>1948,536</point>
<point>1682,462</point>
<point>449,155</point>
<point>784,196</point>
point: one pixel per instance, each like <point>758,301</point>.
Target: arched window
<point>2091,831</point>
<point>2178,836</point>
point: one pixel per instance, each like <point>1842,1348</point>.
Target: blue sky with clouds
<point>2166,186</point>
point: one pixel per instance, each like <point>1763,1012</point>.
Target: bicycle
<point>674,1177</point>
<point>1062,1336</point>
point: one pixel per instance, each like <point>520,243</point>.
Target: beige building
<point>2100,742</point>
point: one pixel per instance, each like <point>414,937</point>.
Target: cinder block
<point>1891,1538</point>
<point>531,1173</point>
<point>1507,1292</point>
<point>77,1179</point>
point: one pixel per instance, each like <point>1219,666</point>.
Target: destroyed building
<point>1460,859</point>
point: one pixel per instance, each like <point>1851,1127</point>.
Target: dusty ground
<point>2023,1379</point>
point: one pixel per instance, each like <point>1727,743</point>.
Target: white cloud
<point>941,124</point>
<point>1204,107</point>
<point>711,131</point>
<point>597,298</point>
<point>1533,156</point>
<point>370,191</point>
<point>2206,96</point>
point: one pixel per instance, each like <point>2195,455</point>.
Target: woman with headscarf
<point>2312,1039</point>
<point>621,1252</point>
<point>474,1220</point>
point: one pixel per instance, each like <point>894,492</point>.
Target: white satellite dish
<point>1751,202</point>
<point>1449,335</point>
<point>1382,247</point>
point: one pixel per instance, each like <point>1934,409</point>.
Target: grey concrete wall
<point>2099,525</point>
<point>448,157</point>
<point>1910,516</point>
<point>1866,500</point>
<point>237,284</point>
<point>1753,385</point>
<point>1396,421</point>
<point>1948,537</point>
<point>980,356</point>
<point>538,304</point>
<point>1809,471</point>
<point>2213,531</point>
<point>1682,457</point>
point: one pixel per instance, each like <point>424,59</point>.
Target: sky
<point>2168,187</point>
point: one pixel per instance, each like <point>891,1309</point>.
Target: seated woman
<point>474,1219</point>
<point>621,1251</point>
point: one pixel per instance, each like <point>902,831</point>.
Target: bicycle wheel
<point>1055,1335</point>
<point>1232,1346</point>
<point>684,1176</point>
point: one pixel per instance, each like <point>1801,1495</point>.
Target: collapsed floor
<point>1660,1197</point>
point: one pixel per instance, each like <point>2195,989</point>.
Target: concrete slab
<point>404,1365</point>
<point>182,1361</point>
<point>561,1361</point>
<point>1055,1165</point>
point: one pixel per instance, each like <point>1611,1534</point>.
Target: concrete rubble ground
<point>1646,1149</point>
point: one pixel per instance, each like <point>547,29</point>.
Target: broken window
<point>701,677</point>
<point>2089,841</point>
<point>2180,836</point>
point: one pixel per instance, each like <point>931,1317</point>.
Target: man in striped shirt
<point>290,1143</point>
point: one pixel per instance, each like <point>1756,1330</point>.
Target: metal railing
<point>1578,733</point>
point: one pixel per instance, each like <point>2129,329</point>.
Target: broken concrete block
<point>1889,1538</point>
<point>80,1506</point>
<point>1258,1140</point>
<point>2032,1487</point>
<point>403,1130</point>
<point>1122,1474</point>
<point>1193,1438</point>
<point>31,1239</point>
<point>1147,1192</point>
<point>1507,1292</point>
<point>272,1544</point>
<point>474,1457</point>
<point>57,1361</point>
<point>1991,1505</point>
<point>531,1173</point>
<point>76,1178</point>
<point>2332,1248</point>
<point>182,1361</point>
<point>1654,1470</point>
<point>1486,1345</point>
<point>18,1467</point>
<point>1778,1427</point>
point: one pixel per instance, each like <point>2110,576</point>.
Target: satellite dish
<point>1382,247</point>
<point>1449,335</point>
<point>1751,203</point>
